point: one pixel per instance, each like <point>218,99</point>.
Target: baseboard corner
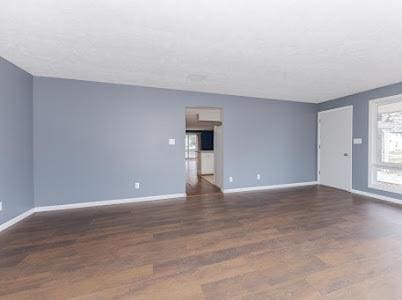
<point>17,219</point>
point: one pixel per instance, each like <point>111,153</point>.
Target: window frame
<point>372,151</point>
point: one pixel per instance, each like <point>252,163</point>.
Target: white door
<point>335,148</point>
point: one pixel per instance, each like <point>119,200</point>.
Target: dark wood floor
<point>303,243</point>
<point>195,184</point>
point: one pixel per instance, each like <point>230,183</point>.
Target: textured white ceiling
<point>311,50</point>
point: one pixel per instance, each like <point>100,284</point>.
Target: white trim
<point>392,188</point>
<point>85,204</point>
<point>107,202</point>
<point>335,109</point>
<point>376,196</point>
<point>349,107</point>
<point>389,98</point>
<point>318,146</point>
<point>269,187</point>
<point>16,219</point>
<point>372,124</point>
<point>372,105</point>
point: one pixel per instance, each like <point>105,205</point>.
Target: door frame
<point>221,109</point>
<point>348,107</point>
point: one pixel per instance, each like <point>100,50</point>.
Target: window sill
<point>386,187</point>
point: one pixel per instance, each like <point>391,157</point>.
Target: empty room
<point>227,149</point>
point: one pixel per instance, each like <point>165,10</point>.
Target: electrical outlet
<point>1,206</point>
<point>230,179</point>
<point>172,141</point>
<point>258,176</point>
<point>137,185</point>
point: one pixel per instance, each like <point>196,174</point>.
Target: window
<point>385,144</point>
<point>191,145</point>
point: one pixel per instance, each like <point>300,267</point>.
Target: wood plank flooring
<point>195,184</point>
<point>303,243</point>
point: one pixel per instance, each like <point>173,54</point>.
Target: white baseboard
<point>170,196</point>
<point>270,187</point>
<point>85,204</point>
<point>106,202</point>
<point>376,196</point>
<point>16,219</point>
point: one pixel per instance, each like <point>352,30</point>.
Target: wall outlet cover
<point>137,185</point>
<point>258,176</point>
<point>1,206</point>
<point>172,141</point>
<point>230,179</point>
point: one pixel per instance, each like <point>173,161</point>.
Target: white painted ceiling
<point>311,50</point>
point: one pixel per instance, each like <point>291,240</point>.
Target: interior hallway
<point>195,184</point>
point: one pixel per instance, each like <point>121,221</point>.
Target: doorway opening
<point>203,150</point>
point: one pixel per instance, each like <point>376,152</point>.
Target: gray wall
<point>16,181</point>
<point>93,140</point>
<point>360,104</point>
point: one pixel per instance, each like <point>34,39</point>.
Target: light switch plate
<point>1,206</point>
<point>357,141</point>
<point>172,141</point>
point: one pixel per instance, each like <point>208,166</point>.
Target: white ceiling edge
<point>205,90</point>
<point>149,86</point>
<point>306,51</point>
<point>208,91</point>
<point>196,91</point>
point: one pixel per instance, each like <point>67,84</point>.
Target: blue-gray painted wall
<point>360,104</point>
<point>92,141</point>
<point>16,157</point>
